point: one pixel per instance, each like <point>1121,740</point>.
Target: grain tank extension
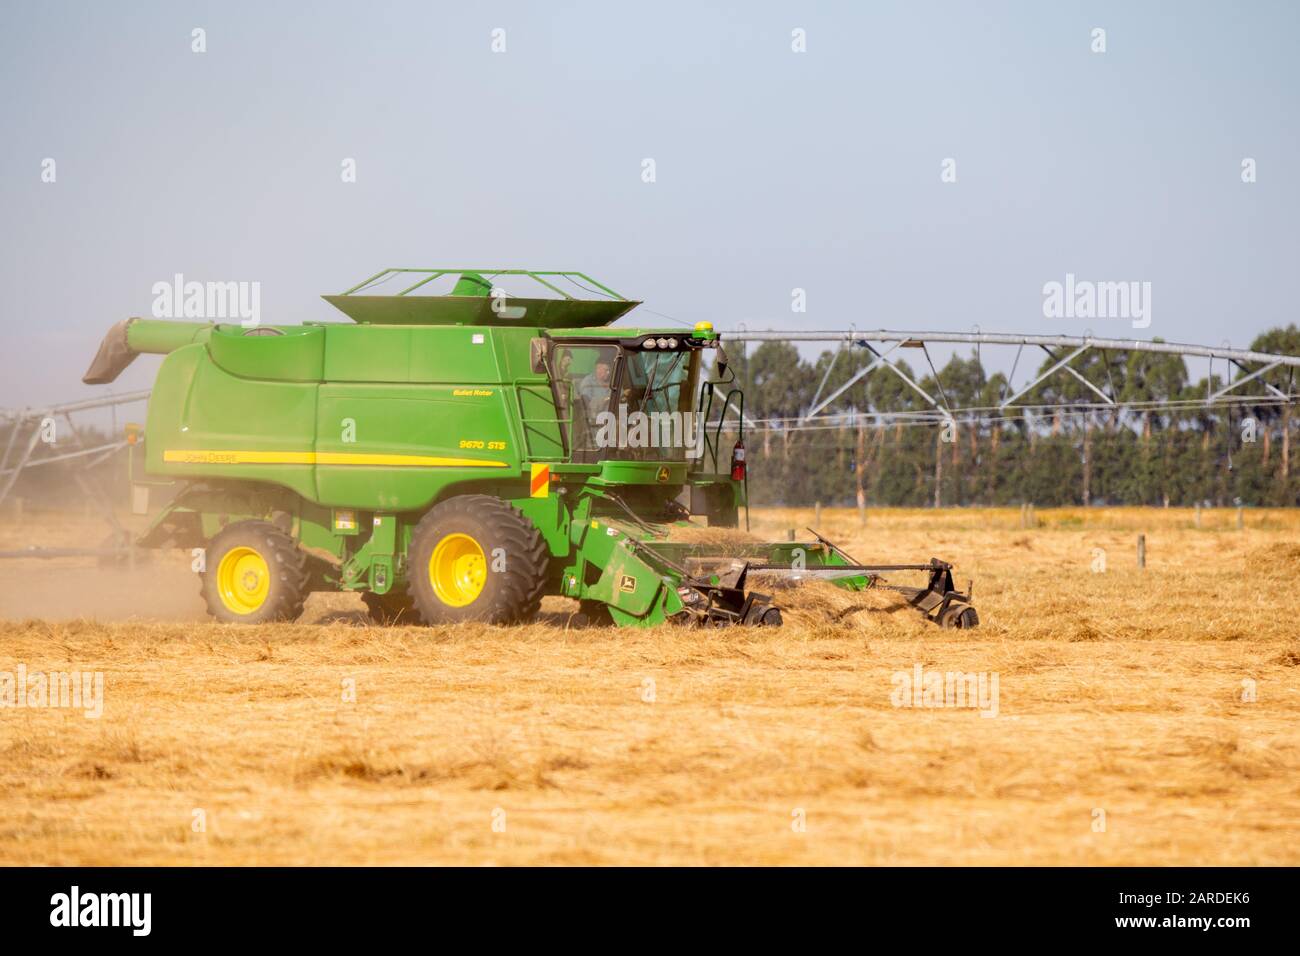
<point>457,457</point>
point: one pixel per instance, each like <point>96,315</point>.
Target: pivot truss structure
<point>45,436</point>
<point>879,350</point>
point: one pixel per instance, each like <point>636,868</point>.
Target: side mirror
<point>537,356</point>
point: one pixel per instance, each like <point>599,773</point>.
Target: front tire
<point>254,573</point>
<point>475,558</point>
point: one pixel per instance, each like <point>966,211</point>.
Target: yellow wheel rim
<point>243,580</point>
<point>457,570</point>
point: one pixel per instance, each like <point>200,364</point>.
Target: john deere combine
<point>457,457</point>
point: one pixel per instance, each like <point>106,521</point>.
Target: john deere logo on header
<point>663,475</point>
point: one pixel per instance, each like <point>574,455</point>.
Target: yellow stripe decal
<point>322,458</point>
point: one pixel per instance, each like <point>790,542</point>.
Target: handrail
<point>534,274</point>
<point>707,386</point>
<point>525,422</point>
<point>740,422</point>
<point>712,446</point>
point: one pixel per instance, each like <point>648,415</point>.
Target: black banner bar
<point>1224,907</point>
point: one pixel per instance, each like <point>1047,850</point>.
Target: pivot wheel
<point>475,558</point>
<point>392,608</point>
<point>254,573</point>
<point>961,616</point>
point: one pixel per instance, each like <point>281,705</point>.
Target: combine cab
<point>457,457</point>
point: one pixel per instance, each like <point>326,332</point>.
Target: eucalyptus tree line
<point>1060,443</point>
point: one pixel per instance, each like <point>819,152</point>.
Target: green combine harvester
<point>457,457</point>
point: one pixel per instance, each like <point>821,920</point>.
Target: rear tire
<point>475,558</point>
<point>254,573</point>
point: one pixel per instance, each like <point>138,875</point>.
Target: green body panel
<point>415,422</point>
<point>364,430</point>
<point>552,519</point>
<point>421,353</point>
<point>291,355</point>
<point>199,408</point>
<point>641,473</point>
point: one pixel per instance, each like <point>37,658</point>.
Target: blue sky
<point>774,169</point>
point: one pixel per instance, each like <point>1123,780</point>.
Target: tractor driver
<point>594,387</point>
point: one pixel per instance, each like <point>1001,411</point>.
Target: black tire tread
<point>525,576</point>
<point>287,562</point>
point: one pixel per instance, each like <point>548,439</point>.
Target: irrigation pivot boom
<point>881,348</point>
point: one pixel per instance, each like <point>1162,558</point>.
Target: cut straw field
<point>1142,716</point>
